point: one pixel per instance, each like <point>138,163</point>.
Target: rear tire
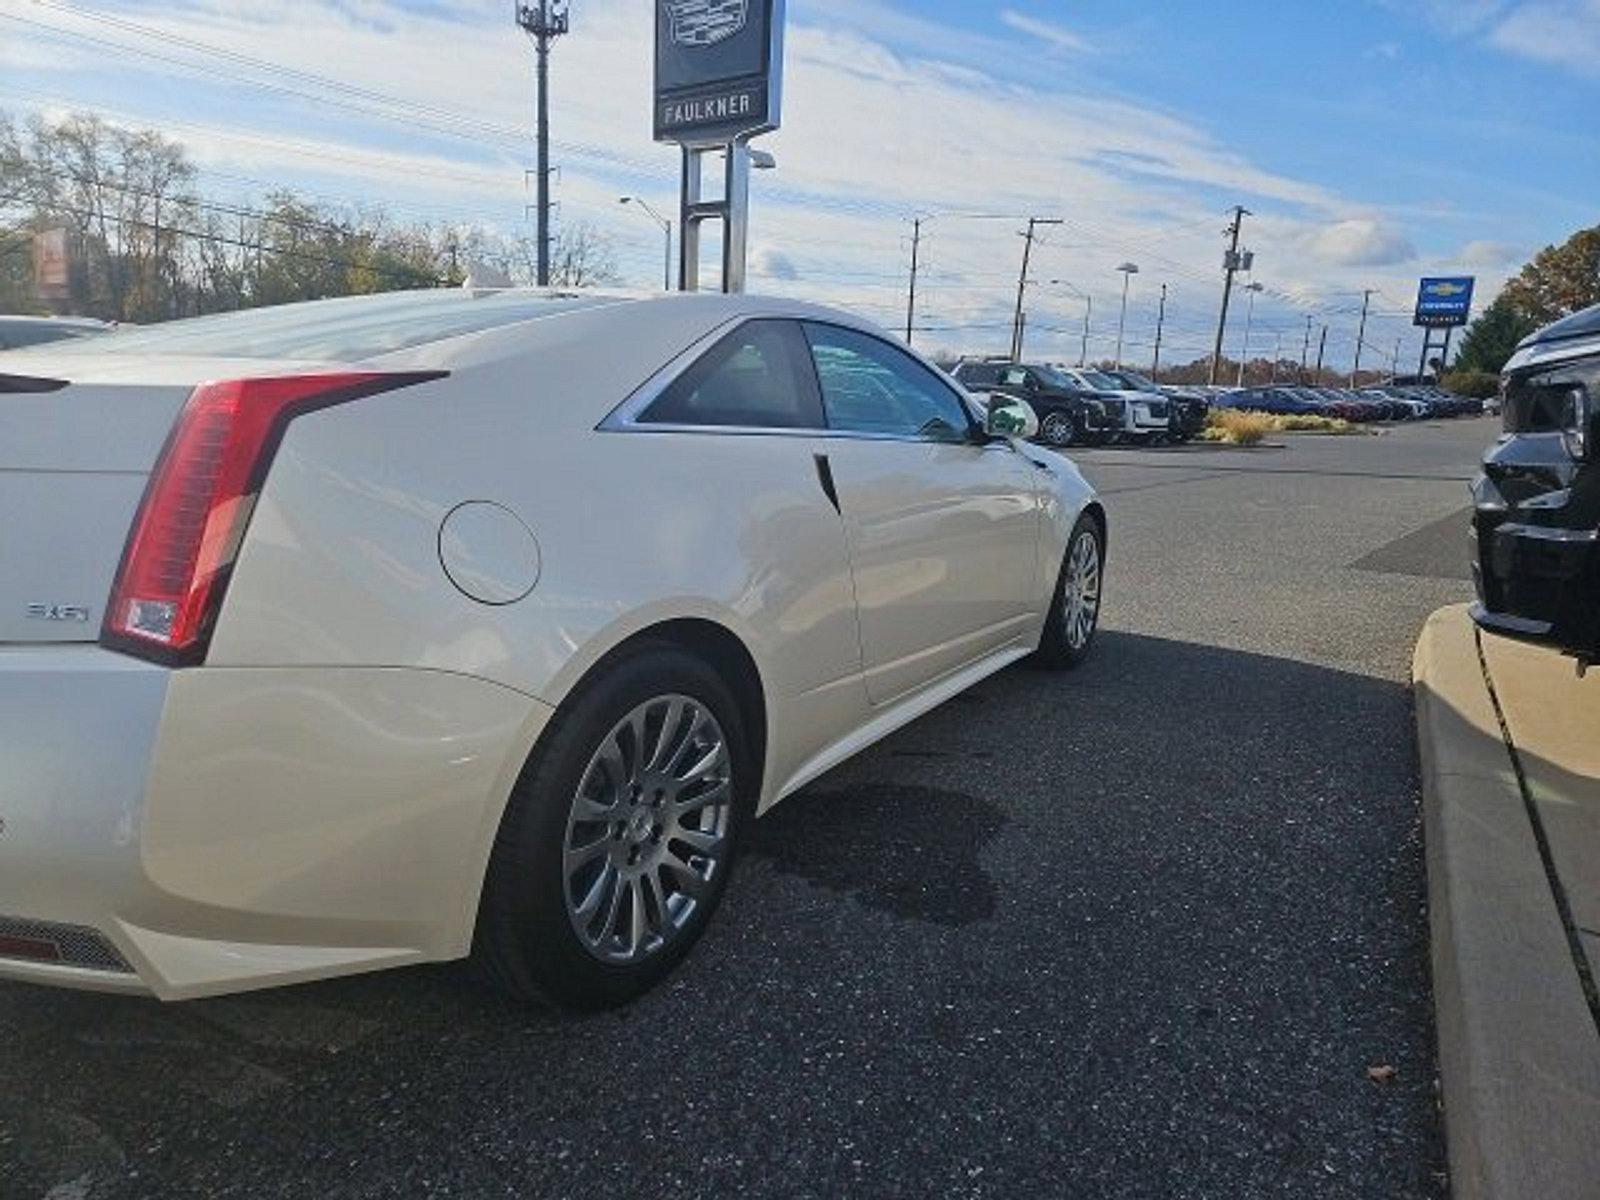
<point>1074,615</point>
<point>599,819</point>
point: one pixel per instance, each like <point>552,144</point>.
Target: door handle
<point>825,478</point>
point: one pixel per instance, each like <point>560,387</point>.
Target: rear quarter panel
<point>341,565</point>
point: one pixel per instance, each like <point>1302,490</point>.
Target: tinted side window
<point>1014,377</point>
<point>978,374</point>
<point>757,376</point>
<point>869,386</point>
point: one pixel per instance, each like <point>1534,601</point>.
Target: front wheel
<point>1074,613</point>
<point>618,839</point>
<point>1057,429</point>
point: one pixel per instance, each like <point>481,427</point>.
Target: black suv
<point>1067,412</point>
<point>1536,520</point>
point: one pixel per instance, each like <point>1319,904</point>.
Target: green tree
<point>1560,280</point>
<point>1494,335</point>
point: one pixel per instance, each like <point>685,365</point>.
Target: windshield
<point>1057,378</point>
<point>1097,379</point>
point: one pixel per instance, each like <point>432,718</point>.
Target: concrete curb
<point>1519,1058</point>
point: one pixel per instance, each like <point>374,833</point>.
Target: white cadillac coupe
<point>400,628</point>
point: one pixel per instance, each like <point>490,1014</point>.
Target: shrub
<point>1237,428</point>
<point>1482,384</point>
<point>1311,423</point>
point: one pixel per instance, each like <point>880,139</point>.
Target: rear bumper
<point>210,830</point>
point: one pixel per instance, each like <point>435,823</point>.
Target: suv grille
<point>22,940</point>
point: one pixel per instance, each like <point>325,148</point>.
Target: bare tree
<point>581,256</point>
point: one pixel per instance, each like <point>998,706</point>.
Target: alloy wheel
<point>648,830</point>
<point>1080,607</point>
<point>1056,429</point>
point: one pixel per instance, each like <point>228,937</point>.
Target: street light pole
<point>666,227</point>
<point>1249,316</point>
<point>1322,345</point>
<point>1129,270</point>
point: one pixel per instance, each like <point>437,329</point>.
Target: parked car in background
<point>1536,519</point>
<point>1187,407</point>
<point>17,332</point>
<point>1415,408</point>
<point>1068,412</point>
<point>1279,401</point>
<point>380,630</point>
<point>1144,416</point>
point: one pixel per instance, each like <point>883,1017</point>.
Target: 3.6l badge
<point>58,612</point>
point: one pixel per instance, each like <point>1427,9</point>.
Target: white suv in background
<point>1146,416</point>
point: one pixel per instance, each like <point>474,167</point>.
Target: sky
<point>1373,141</point>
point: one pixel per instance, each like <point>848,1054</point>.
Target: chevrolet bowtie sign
<point>719,69</point>
<point>1443,303</point>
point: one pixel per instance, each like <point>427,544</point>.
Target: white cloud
<point>1386,50</point>
<point>1056,36</point>
<point>1563,33</point>
<point>1488,254</point>
<point>770,263</point>
<point>1361,242</point>
<point>885,116</point>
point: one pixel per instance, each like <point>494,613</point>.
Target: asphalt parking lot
<point>1140,930</point>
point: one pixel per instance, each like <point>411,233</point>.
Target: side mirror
<point>1009,417</point>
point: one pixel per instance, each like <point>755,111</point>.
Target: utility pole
<point>1322,345</point>
<point>1361,335</point>
<point>1230,264</point>
<point>543,21</point>
<point>911,295</point>
<point>1161,320</point>
<point>1277,356</point>
<point>1394,362</point>
<point>1083,350</point>
<point>1022,282</point>
<point>1305,349</point>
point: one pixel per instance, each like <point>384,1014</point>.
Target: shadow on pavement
<point>1138,929</point>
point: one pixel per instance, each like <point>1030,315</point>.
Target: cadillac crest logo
<point>705,22</point>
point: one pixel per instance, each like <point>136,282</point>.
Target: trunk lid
<point>74,460</point>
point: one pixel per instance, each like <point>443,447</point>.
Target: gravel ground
<point>1139,930</point>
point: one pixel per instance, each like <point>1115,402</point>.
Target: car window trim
<point>625,417</point>
<point>939,378</point>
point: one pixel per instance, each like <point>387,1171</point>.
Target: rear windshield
<point>16,334</point>
<point>344,330</point>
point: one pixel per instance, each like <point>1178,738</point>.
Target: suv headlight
<point>1575,422</point>
<point>1555,399</point>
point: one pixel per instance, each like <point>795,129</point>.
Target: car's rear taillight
<point>198,502</point>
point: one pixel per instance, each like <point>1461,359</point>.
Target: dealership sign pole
<point>719,82</point>
<point>1442,303</point>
